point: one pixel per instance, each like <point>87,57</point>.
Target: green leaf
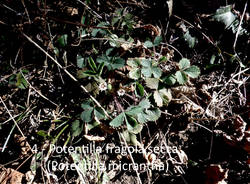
<point>76,128</point>
<point>157,72</point>
<point>132,125</point>
<point>157,40</point>
<point>145,104</point>
<point>98,113</point>
<point>192,71</point>
<point>118,63</point>
<point>80,61</point>
<point>225,16</point>
<point>181,77</point>
<point>139,89</point>
<point>142,118</point>
<point>191,40</point>
<point>153,115</point>
<point>135,74</point>
<point>170,80</point>
<point>184,63</point>
<point>111,63</point>
<point>42,133</point>
<point>86,115</point>
<point>63,40</point>
<point>92,64</point>
<point>146,72</point>
<point>134,110</point>
<point>100,69</point>
<point>21,81</point>
<point>146,63</point>
<point>148,44</point>
<point>152,83</point>
<point>134,63</point>
<point>118,120</point>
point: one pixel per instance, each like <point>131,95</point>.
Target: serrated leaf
<point>158,99</point>
<point>134,110</point>
<point>170,80</point>
<point>135,74</point>
<point>184,63</point>
<point>142,118</point>
<point>157,40</point>
<point>192,71</point>
<point>118,120</point>
<point>76,128</point>
<point>153,115</point>
<point>181,77</point>
<point>86,115</point>
<point>148,44</point>
<point>152,83</point>
<point>145,104</point>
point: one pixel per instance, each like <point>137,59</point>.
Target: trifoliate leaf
<point>181,77</point>
<point>152,83</point>
<point>135,74</point>
<point>192,71</point>
<point>76,128</point>
<point>184,63</point>
<point>118,120</point>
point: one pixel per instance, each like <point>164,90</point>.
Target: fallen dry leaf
<point>10,176</point>
<point>216,175</point>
